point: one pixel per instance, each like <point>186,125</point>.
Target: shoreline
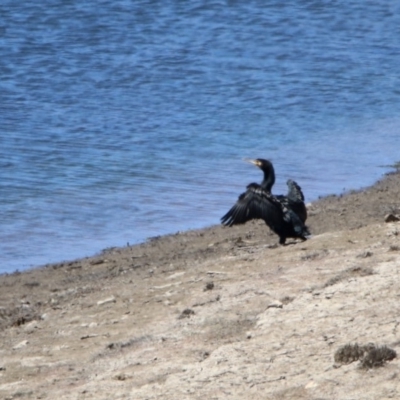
<point>215,311</point>
<point>310,205</point>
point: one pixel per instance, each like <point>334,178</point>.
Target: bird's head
<point>264,165</point>
<point>269,173</point>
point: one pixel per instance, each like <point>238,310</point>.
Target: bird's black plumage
<point>285,215</point>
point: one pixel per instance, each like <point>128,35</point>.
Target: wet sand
<point>214,313</point>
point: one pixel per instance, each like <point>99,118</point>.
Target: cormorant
<point>285,215</point>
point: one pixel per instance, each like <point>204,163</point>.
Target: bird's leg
<point>282,240</point>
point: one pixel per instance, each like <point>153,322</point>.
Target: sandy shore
<point>219,313</point>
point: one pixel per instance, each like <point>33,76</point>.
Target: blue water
<point>124,120</point>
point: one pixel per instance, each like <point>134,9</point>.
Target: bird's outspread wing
<point>255,203</point>
<point>294,193</point>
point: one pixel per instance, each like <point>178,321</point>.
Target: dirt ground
<point>218,313</point>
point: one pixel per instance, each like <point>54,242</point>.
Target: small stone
<point>98,262</point>
<point>106,301</point>
<point>275,304</point>
<point>31,326</point>
<point>54,302</point>
<point>365,254</point>
<point>88,336</point>
<point>121,377</point>
<point>286,300</point>
<point>20,345</point>
<point>311,385</point>
<point>186,313</point>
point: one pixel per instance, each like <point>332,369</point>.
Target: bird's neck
<point>268,181</point>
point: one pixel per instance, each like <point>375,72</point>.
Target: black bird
<point>285,215</point>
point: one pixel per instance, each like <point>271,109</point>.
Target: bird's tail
<point>300,229</point>
<point>306,232</point>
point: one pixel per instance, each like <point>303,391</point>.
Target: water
<point>128,119</point>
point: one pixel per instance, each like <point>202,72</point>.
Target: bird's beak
<point>254,162</point>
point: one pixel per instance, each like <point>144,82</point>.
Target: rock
<point>31,326</point>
